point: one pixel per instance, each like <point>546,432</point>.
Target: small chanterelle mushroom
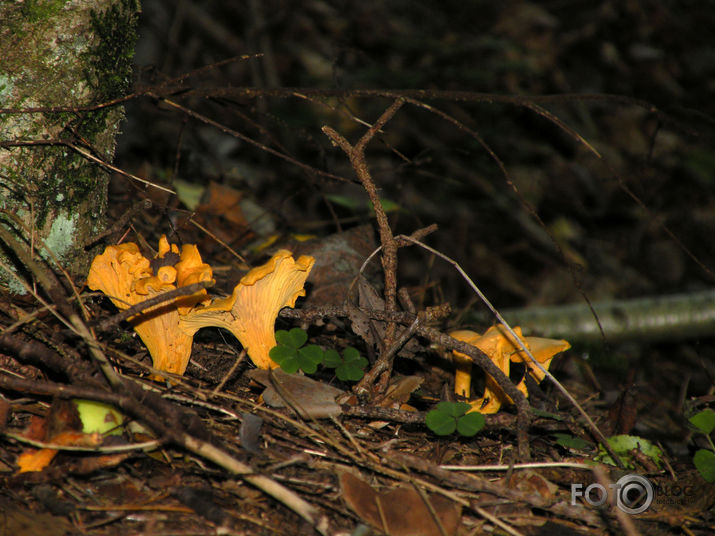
<point>250,311</point>
<point>127,278</point>
<point>502,349</point>
<point>167,330</point>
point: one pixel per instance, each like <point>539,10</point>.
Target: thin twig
<point>245,138</point>
<point>356,154</point>
<point>117,226</point>
<point>217,239</point>
<point>499,523</point>
<point>230,372</point>
<point>469,482</point>
<point>88,155</point>
<point>134,310</point>
<point>629,528</point>
<point>144,445</point>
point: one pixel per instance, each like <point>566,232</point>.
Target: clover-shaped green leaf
<point>469,424</point>
<point>291,355</point>
<point>348,367</point>
<point>704,421</point>
<point>704,461</point>
<point>295,338</point>
<point>450,416</point>
<point>309,357</point>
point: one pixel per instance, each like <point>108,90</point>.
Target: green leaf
<point>704,421</point>
<point>704,461</point>
<point>310,357</point>
<point>291,364</point>
<point>440,423</point>
<point>189,193</point>
<point>571,442</point>
<point>286,357</point>
<point>282,337</point>
<point>351,354</point>
<point>450,416</point>
<point>624,444</point>
<point>348,367</point>
<point>98,417</point>
<point>352,371</point>
<point>295,338</point>
<point>280,354</point>
<point>332,359</point>
<point>387,206</point>
<point>469,424</point>
<point>546,414</point>
<point>454,409</point>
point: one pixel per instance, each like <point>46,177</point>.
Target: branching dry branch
<point>356,154</point>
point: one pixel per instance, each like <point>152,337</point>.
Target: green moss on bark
<point>64,54</point>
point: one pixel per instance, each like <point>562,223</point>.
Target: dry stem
<point>356,154</point>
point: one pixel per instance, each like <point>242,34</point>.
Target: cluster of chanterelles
<point>128,278</point>
<point>167,330</point>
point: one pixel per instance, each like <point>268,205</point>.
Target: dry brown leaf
<point>401,511</point>
<point>313,399</point>
<point>220,211</point>
<point>530,481</point>
<point>338,258</point>
<point>399,391</point>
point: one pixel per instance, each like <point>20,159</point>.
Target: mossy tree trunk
<point>67,54</point>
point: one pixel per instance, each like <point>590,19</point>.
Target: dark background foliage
<point>657,52</point>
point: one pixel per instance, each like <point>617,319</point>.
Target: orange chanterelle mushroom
<point>502,349</point>
<point>167,330</point>
<point>126,277</point>
<point>250,312</point>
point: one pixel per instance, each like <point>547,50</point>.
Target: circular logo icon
<point>634,494</point>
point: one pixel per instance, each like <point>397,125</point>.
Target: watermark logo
<point>633,493</point>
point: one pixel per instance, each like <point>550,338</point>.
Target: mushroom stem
<point>462,376</point>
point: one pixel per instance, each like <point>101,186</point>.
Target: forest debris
<point>531,481</point>
<point>16,518</point>
<point>402,511</point>
<point>399,392</point>
<point>372,331</point>
<point>62,426</point>
<point>220,209</point>
<point>250,432</point>
<point>37,459</point>
<point>310,398</point>
<point>338,258</point>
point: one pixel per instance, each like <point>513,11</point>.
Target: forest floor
<point>581,172</point>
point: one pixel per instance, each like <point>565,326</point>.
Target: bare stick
<point>356,154</point>
<point>188,290</point>
<point>117,226</point>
